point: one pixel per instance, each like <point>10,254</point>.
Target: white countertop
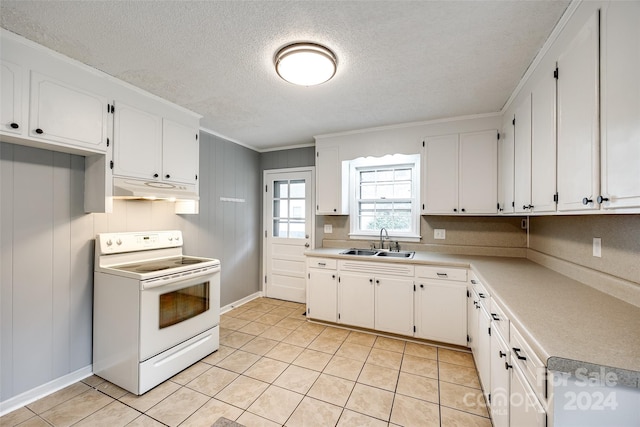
<point>569,325</point>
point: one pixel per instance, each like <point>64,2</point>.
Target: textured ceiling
<point>398,61</point>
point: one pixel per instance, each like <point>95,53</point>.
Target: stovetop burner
<point>159,265</point>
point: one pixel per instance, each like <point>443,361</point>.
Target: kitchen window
<point>384,194</point>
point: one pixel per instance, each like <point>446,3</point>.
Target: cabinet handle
<point>463,210</point>
<point>507,366</point>
<point>601,199</point>
<point>167,176</point>
<point>333,276</point>
<point>155,175</point>
<point>518,355</point>
<point>502,354</point>
<point>335,210</point>
<point>476,304</point>
<point>442,274</point>
<point>586,201</point>
<point>481,295</point>
<point>14,125</point>
<point>421,286</point>
<point>455,210</point>
<point>370,280</point>
<point>495,317</point>
<point>39,131</point>
<point>378,282</point>
<point>322,264</point>
<point>474,282</point>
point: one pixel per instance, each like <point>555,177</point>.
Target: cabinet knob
<point>378,282</point>
<point>421,286</point>
<point>39,131</point>
<point>455,210</point>
<point>463,210</point>
<point>586,201</point>
<point>502,354</point>
<point>495,317</point>
<point>14,125</point>
<point>155,175</point>
<point>167,176</point>
<point>335,210</point>
<point>601,199</point>
<point>525,207</point>
<point>370,280</point>
<point>507,366</point>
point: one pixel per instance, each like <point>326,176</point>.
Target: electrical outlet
<point>328,228</point>
<point>597,247</point>
<point>439,233</point>
<point>524,223</point>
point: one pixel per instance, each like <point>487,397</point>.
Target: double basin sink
<point>377,253</point>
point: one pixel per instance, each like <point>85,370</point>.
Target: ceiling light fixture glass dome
<point>305,64</point>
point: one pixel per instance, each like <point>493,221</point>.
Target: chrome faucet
<point>381,241</point>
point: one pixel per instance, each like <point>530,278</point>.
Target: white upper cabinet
<point>441,174</point>
<point>620,110</point>
<point>543,143</point>
<point>461,173</point>
<point>578,127</point>
<point>506,159</point>
<point>137,143</point>
<point>522,168</point>
<point>180,152</point>
<point>11,120</point>
<point>329,197</point>
<point>478,160</point>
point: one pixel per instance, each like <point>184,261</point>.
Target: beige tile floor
<point>274,368</point>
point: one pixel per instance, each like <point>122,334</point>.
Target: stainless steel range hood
<point>128,188</point>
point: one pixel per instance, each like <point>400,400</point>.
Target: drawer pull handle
<point>322,264</point>
<point>502,354</point>
<point>442,274</point>
<point>476,304</point>
<point>481,295</point>
<point>518,355</point>
<point>495,317</point>
<point>507,366</point>
<point>474,282</point>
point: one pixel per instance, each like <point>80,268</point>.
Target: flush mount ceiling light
<point>305,64</point>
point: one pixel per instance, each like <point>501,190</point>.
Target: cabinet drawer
<point>499,319</point>
<point>443,273</point>
<point>532,367</point>
<point>328,263</point>
<point>483,295</point>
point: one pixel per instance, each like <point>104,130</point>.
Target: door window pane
<point>289,209</point>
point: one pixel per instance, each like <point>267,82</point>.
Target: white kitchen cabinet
<point>64,114</point>
<point>473,308</point>
<point>394,305</point>
<point>522,156</point>
<point>500,361</point>
<point>578,120</point>
<point>322,290</point>
<point>461,173</point>
<point>441,311</point>
<point>11,120</point>
<point>483,361</point>
<point>526,411</point>
<point>180,152</point>
<point>620,105</point>
<point>506,160</point>
<point>356,300</point>
<point>329,194</point>
<point>137,143</point>
<point>543,143</point>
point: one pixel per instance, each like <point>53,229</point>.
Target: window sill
<point>376,237</point>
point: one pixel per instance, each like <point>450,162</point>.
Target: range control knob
<point>118,242</point>
<point>109,242</point>
<point>170,238</point>
<point>177,238</point>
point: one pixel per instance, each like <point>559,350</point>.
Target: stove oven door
<point>177,309</point>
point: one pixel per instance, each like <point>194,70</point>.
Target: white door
<point>288,228</point>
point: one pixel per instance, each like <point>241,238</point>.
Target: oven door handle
<point>178,277</point>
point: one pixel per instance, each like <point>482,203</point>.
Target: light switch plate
<point>439,233</point>
<point>597,247</point>
<point>328,228</point>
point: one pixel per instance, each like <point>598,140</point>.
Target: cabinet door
<point>441,163</point>
<point>328,182</point>
<point>483,361</point>
<point>441,311</point>
<point>528,412</point>
<point>180,152</point>
<point>522,155</point>
<point>543,143</point>
<point>620,145</point>
<point>356,300</point>
<point>137,143</point>
<point>322,295</point>
<point>394,305</point>
<point>64,114</point>
<point>11,99</point>
<point>505,167</point>
<point>578,133</point>
<point>472,321</point>
<point>500,391</point>
<point>478,174</point>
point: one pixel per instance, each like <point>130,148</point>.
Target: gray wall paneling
<point>281,159</point>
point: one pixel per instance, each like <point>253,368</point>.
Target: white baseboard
<point>43,390</point>
<point>238,303</point>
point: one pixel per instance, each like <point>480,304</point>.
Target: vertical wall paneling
<point>6,270</point>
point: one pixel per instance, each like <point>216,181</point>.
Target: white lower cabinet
<point>525,410</point>
<point>500,361</point>
<point>441,306</point>
<point>483,360</point>
<point>356,300</point>
<point>394,305</point>
<point>322,294</point>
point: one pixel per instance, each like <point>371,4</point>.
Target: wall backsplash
<point>464,235</point>
<point>570,238</point>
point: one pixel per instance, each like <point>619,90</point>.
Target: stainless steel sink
<point>395,254</point>
<point>371,252</point>
<point>359,252</point>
